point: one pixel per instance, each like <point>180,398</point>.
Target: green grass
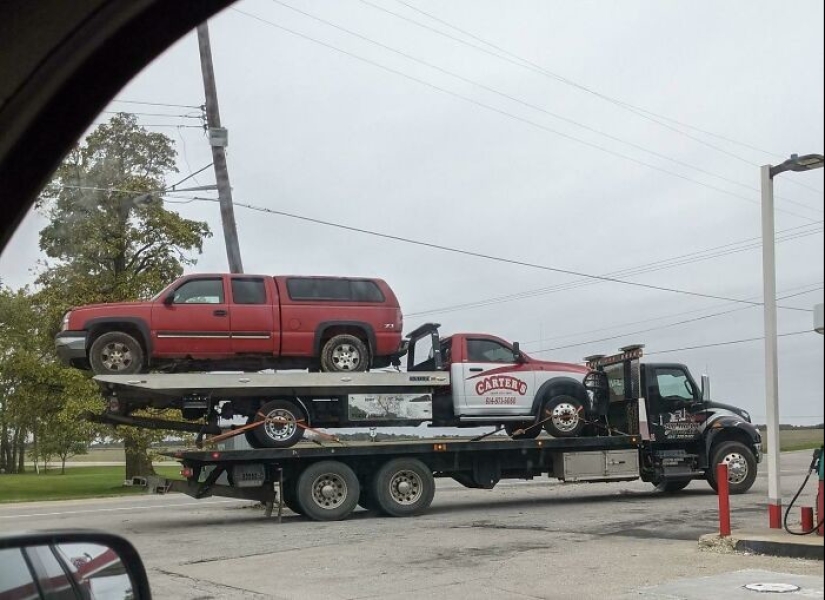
<point>78,482</point>
<point>791,440</point>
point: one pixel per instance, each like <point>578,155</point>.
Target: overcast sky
<point>500,166</point>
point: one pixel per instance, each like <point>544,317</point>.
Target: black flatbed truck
<point>327,480</point>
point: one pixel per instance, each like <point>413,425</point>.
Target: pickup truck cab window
<point>200,291</point>
<point>488,351</point>
<point>248,291</point>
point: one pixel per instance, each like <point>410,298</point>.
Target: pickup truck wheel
<point>741,466</point>
<point>563,417</point>
<point>344,353</point>
<point>672,487</point>
<point>403,487</point>
<point>116,353</point>
<point>520,431</point>
<point>281,429</point>
<point>327,491</point>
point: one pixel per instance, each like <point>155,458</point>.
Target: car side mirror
<point>517,357</point>
<point>169,300</point>
<point>94,564</point>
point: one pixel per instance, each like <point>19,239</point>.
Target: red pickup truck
<point>239,322</point>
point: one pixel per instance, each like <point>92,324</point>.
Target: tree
<point>108,239</point>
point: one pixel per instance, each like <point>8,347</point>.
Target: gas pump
<point>818,466</point>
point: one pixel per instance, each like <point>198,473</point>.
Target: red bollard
<point>723,491</point>
<point>807,518</point>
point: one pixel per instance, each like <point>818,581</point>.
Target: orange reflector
<point>539,444</point>
<point>187,473</point>
<point>440,447</point>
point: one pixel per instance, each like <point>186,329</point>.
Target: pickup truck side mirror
<point>517,357</point>
<point>169,300</point>
<point>705,388</point>
<point>92,561</point>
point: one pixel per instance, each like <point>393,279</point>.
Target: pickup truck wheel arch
<point>328,329</point>
<point>134,326</point>
<point>558,386</point>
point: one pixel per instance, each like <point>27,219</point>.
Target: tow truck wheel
<point>403,487</point>
<point>281,428</point>
<point>672,487</point>
<point>563,417</point>
<point>520,431</point>
<point>291,498</point>
<point>116,353</point>
<point>741,466</point>
<point>327,491</point>
<point>344,353</point>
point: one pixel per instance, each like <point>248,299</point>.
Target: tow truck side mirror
<point>705,388</point>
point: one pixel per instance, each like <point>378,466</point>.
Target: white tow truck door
<point>494,382</point>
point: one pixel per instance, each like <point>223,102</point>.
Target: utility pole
<point>218,141</point>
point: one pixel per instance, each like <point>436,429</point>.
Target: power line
<point>806,290</point>
<point>698,256</point>
<point>188,177</point>
<point>522,62</point>
<point>534,106</point>
<point>729,343</point>
<point>667,326</point>
<point>511,115</point>
<point>490,257</point>
<point>199,107</point>
<point>146,114</point>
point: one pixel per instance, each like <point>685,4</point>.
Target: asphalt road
<point>537,539</point>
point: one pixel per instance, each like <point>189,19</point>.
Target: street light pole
<point>771,348</point>
<point>768,172</point>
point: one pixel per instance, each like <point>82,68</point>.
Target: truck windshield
<point>674,383</point>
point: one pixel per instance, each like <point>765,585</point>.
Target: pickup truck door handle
<point>220,313</point>
<point>476,370</point>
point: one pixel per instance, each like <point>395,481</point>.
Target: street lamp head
<point>807,162</point>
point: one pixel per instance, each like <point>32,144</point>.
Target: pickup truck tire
<point>344,353</point>
<point>116,353</point>
<point>519,431</point>
<point>283,431</point>
<point>741,466</point>
<point>403,487</point>
<point>327,491</point>
<point>672,487</point>
<point>563,417</point>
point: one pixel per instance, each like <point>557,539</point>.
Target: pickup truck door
<point>254,316</point>
<point>194,321</point>
<point>494,383</point>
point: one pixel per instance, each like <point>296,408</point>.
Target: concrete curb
<point>809,547</point>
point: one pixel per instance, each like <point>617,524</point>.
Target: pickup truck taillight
<point>399,320</point>
<point>65,324</point>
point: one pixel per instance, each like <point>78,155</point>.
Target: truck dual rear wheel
<point>563,417</point>
<point>116,353</point>
<point>281,428</point>
<point>345,353</point>
<point>403,487</point>
<point>327,491</point>
<point>741,466</point>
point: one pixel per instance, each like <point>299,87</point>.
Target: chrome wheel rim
<point>280,424</point>
<point>565,417</point>
<point>116,356</point>
<point>346,357</point>
<point>737,467</point>
<point>329,491</point>
<point>406,487</point>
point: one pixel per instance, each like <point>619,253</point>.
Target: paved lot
<point>522,540</point>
